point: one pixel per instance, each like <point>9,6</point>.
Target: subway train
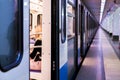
<point>44,39</point>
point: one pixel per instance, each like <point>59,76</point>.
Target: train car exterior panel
<point>18,73</point>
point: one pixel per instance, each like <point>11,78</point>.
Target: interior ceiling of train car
<point>94,6</point>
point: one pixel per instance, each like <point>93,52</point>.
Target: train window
<point>39,19</point>
<point>11,33</point>
<point>31,16</point>
<point>63,21</point>
<point>71,21</point>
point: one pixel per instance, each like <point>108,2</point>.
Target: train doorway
<point>40,39</point>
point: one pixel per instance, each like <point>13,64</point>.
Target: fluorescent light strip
<point>102,9</point>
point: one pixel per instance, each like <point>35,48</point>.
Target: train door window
<point>71,21</point>
<point>39,19</point>
<point>11,33</point>
<point>38,28</point>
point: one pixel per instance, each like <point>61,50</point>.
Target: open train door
<point>40,40</point>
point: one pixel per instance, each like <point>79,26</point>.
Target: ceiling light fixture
<point>102,9</point>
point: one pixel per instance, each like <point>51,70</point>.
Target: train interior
<point>40,32</point>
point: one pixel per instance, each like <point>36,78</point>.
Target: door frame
<point>54,39</point>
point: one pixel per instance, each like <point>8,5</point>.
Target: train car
<point>46,38</point>
<point>14,29</point>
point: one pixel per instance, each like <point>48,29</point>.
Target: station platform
<point>101,62</point>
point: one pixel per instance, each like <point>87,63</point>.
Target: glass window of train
<point>11,33</point>
<point>71,21</point>
<point>38,19</point>
<point>38,28</point>
<point>71,27</point>
<point>31,16</point>
<point>70,9</point>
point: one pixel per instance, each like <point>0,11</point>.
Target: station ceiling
<point>94,7</point>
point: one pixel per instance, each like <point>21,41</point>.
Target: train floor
<point>101,62</point>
